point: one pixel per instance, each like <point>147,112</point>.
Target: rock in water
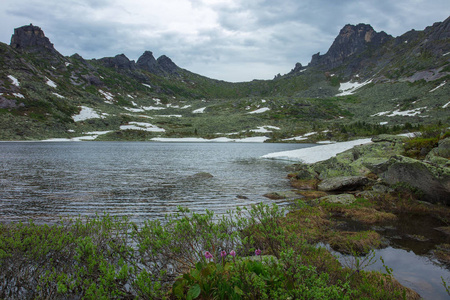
<point>201,175</point>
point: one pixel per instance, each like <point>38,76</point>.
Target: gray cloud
<point>232,40</point>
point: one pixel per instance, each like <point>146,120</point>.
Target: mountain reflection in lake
<point>44,181</point>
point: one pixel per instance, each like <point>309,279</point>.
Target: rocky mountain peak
<point>161,66</point>
<point>31,38</point>
<point>147,62</point>
<point>167,64</point>
<point>120,62</point>
<point>352,39</point>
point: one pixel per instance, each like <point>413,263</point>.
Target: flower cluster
<point>223,254</point>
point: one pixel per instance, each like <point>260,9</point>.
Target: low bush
<point>185,256</point>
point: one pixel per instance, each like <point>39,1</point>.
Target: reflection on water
<point>416,272</point>
<point>44,181</point>
<point>412,238</point>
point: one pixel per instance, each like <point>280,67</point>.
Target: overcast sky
<point>232,40</point>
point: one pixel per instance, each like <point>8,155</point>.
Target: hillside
<point>367,83</point>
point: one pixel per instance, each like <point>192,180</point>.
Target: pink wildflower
<point>233,253</point>
<point>257,252</point>
<point>223,253</point>
<point>208,255</point>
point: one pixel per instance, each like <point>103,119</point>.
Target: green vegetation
<point>188,256</point>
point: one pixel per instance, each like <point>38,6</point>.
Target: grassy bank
<point>257,253</point>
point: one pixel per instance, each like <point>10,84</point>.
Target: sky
<point>231,40</point>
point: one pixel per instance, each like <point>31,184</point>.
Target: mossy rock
<point>345,199</point>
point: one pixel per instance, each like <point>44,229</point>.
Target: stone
<point>346,183</point>
<point>389,138</point>
<point>201,175</point>
<point>283,195</point>
<point>433,182</point>
<point>345,199</point>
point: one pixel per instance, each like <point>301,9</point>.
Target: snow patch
<point>264,129</point>
<point>142,126</point>
<point>199,111</point>
<point>407,113</point>
<point>348,88</point>
<point>19,95</point>
<point>439,86</point>
<point>14,80</point>
<point>445,54</point>
<point>152,108</point>
<point>50,83</point>
<point>301,138</point>
<point>58,95</point>
<point>383,123</point>
<point>147,85</point>
<point>259,111</point>
<point>381,113</point>
<point>67,64</point>
<point>107,95</point>
<point>446,105</point>
<point>134,109</point>
<point>85,114</point>
<point>316,154</point>
<point>169,116</point>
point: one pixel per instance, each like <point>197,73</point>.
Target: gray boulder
<point>346,183</point>
<point>432,181</point>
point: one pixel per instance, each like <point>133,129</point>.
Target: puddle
<point>411,239</point>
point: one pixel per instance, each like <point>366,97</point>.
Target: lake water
<point>147,180</point>
<point>43,181</point>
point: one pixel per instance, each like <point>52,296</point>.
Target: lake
<point>141,180</point>
<point>44,181</point>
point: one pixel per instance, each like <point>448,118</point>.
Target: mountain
<point>368,82</point>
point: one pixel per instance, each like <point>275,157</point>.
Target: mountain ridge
<point>41,91</point>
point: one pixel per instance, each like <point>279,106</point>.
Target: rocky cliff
<point>31,38</point>
<point>352,40</point>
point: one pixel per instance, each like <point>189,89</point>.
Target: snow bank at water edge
<point>142,126</point>
<point>317,153</point>
<point>256,139</point>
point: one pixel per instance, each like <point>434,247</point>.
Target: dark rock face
<point>167,65</point>
<point>147,62</point>
<point>439,30</point>
<point>31,38</point>
<point>350,41</point>
<point>119,62</point>
<point>161,66</point>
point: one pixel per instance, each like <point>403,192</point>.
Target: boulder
<point>389,138</point>
<point>201,175</point>
<point>346,183</point>
<point>431,181</point>
<point>345,199</point>
<point>283,195</point>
